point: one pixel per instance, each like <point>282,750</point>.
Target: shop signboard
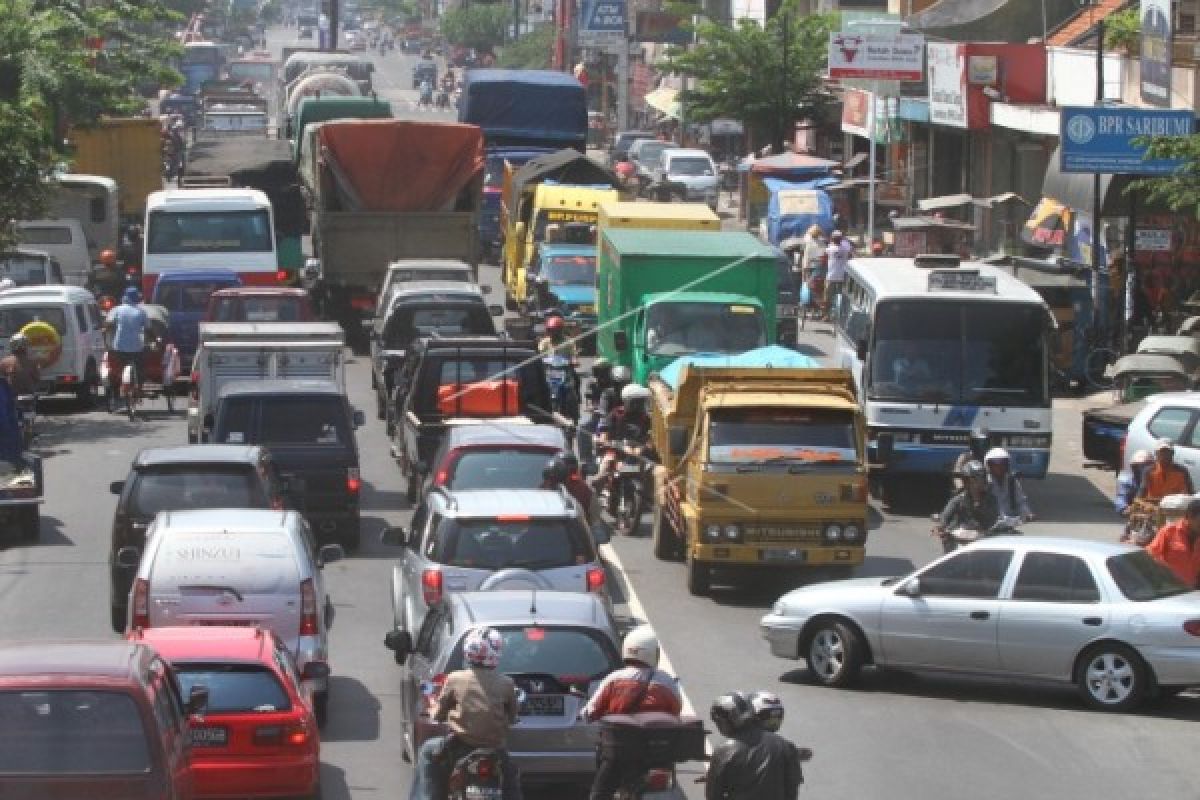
<point>601,22</point>
<point>947,84</point>
<point>875,56</point>
<point>1153,240</point>
<point>1109,140</point>
<point>661,27</point>
<point>1156,52</point>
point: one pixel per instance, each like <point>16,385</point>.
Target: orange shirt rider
<point>1177,546</point>
<point>1165,477</point>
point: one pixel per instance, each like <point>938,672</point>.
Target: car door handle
<point>980,615</point>
<point>1093,621</point>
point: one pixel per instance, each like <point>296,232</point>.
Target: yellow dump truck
<point>128,150</point>
<point>762,468</point>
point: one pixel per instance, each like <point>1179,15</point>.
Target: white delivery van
<point>74,366</point>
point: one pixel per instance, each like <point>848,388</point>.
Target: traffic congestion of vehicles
<point>593,522</point>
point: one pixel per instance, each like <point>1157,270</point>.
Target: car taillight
<point>1192,626</point>
<point>308,608</point>
<point>595,579</point>
<point>442,476</point>
<point>141,604</point>
<point>353,481</point>
<point>658,780</point>
<point>296,735</point>
<point>194,391</point>
<point>431,586</point>
<point>282,275</point>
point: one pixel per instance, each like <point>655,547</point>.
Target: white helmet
<point>621,374</point>
<point>996,454</point>
<point>634,391</point>
<point>641,645</point>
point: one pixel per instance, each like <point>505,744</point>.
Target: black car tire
<point>29,521</point>
<point>1111,677</point>
<point>118,616</point>
<point>85,395</point>
<point>666,540</point>
<point>321,707</point>
<point>699,577</point>
<point>352,537</point>
<point>833,653</point>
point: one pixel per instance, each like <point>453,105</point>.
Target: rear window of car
<point>71,732</point>
<point>181,489</point>
<point>285,420</point>
<point>500,468</point>
<point>188,296</point>
<point>408,323</point>
<point>12,319</point>
<point>1141,578</point>
<point>493,544</point>
<point>235,688</point>
<point>258,309</point>
<point>571,655</point>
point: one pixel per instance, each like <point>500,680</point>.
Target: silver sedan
<point>1107,618</point>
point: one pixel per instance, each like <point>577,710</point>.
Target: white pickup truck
<point>260,351</point>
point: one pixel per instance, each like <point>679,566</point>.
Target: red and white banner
<point>877,56</point>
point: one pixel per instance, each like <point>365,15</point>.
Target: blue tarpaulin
<point>525,107</point>
<point>773,356</point>
<point>795,206</point>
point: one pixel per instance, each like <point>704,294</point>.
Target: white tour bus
<point>210,229</point>
<point>939,349</point>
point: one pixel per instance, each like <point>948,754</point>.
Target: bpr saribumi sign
<point>601,22</point>
<point>1102,139</point>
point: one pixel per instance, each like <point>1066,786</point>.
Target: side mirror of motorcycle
<point>911,587</point>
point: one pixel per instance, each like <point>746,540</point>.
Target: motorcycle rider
<point>1005,486</point>
<point>602,378</point>
<point>753,763</point>
<point>1129,484</point>
<point>1165,476</point>
<point>972,507</point>
<point>640,686</point>
<point>480,705</point>
<point>1177,546</point>
<point>18,367</point>
<point>555,342</point>
<point>127,323</point>
<point>426,90</point>
<point>630,422</point>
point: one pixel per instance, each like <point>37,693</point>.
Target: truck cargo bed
<point>355,248</point>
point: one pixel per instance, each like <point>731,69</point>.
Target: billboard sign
<point>1156,52</point>
<point>661,27</point>
<point>1103,139</point>
<point>601,22</point>
<point>876,56</point>
<point>947,84</point>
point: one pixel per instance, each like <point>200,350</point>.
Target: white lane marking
<point>638,611</point>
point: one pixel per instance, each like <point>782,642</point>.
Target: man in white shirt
<point>838,258</point>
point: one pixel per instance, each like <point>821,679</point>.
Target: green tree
<point>768,77</point>
<point>532,51</point>
<point>480,27</point>
<point>1123,30</point>
<point>1182,189</point>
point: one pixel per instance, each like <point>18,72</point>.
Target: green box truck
<point>661,294</point>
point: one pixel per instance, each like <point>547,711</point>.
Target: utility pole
<point>781,127</point>
<point>334,17</point>
<point>1099,270</point>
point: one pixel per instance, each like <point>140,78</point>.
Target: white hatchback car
<point>1171,415</point>
<point>239,567</point>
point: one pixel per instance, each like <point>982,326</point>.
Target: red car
<point>260,304</point>
<point>259,736</point>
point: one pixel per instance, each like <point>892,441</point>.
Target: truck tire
<point>699,577</point>
<point>29,521</point>
<point>85,394</point>
<point>666,541</point>
<point>118,615</point>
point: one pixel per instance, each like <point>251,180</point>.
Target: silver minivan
<point>485,539</point>
<point>240,567</point>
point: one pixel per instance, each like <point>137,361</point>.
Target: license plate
<point>781,534</point>
<point>210,737</point>
<point>543,705</point>
<point>221,623</point>
<point>784,554</point>
<point>484,793</point>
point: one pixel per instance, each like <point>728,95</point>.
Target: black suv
<point>179,479</point>
<point>308,426</point>
<point>462,378</point>
<point>418,309</point>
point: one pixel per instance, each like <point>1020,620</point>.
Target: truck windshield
<point>209,232</point>
<point>977,353</point>
<point>757,435</point>
<point>562,219</point>
<point>674,329</point>
<point>563,270</point>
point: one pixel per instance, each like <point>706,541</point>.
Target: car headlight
<point>833,532</point>
<point>778,609</point>
<point>732,532</point>
<point>713,532</point>
<point>851,533</point>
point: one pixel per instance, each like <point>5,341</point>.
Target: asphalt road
<point>898,736</point>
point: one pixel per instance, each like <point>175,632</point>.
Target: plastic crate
<point>652,738</point>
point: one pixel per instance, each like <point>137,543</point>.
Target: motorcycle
<point>626,487</point>
<point>648,745</point>
<point>475,773</point>
<point>560,379</point>
<point>961,537</point>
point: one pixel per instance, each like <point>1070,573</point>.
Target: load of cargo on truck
<point>527,107</point>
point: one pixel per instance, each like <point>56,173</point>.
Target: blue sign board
<point>601,19</point>
<point>1102,139</point>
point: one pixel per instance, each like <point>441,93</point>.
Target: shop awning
<point>664,100</point>
<point>959,200</point>
<point>929,223</point>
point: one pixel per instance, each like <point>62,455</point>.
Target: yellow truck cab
<point>553,204</point>
<point>658,216</point>
<point>762,468</point>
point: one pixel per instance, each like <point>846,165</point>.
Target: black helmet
<point>555,470</point>
<point>570,463</point>
<point>731,712</point>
